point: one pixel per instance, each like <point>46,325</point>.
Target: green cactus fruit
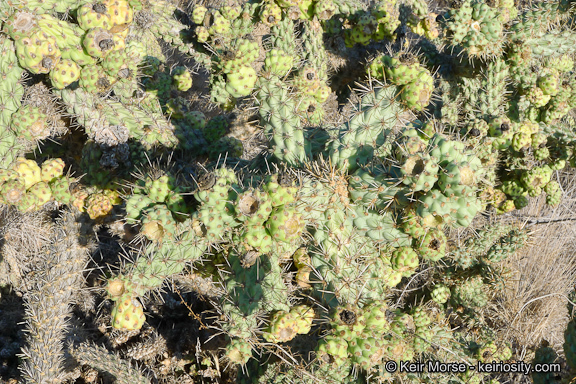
<point>541,153</point>
<point>271,14</point>
<point>455,175</point>
<point>322,93</point>
<point>116,65</point>
<point>307,80</point>
<point>549,83</point>
<point>422,338</point>
<point>535,179</point>
<point>412,224</point>
<point>196,119</point>
<point>253,206</point>
<point>93,79</point>
<point>419,172</point>
<point>553,193</point>
<point>30,123</point>
<point>324,9</point>
<point>440,294</point>
<point>404,260</point>
<point>507,245</point>
<point>463,258</point>
<point>135,51</point>
<point>231,11</point>
<point>6,175</point>
<point>128,314</point>
<point>491,352</point>
<point>403,324</point>
<point>502,129</point>
<point>38,52</point>
<point>120,13</point>
<point>64,73</point>
<point>28,171</point>
<point>238,351</point>
<point>539,140</point>
<point>400,71</point>
<point>284,326</point>
<point>158,189</point>
<point>216,128</point>
<point>285,224</point>
<point>416,95</point>
<point>78,198</point>
<point>202,34</point>
<point>375,319</point>
<point>182,79</point>
<point>365,352</point>
<point>135,205</point>
<point>476,132</point>
<point>433,245</point>
<point>281,190</point>
<point>513,188</point>
<point>470,293</point>
<point>310,110</point>
<point>98,42</point>
<point>387,17</point>
<point>348,323</point>
<point>420,317</point>
<point>42,192</point>
<point>215,189</point>
<point>410,143</point>
<point>522,138</point>
<point>12,192</point>
<point>29,203</point>
<point>199,13</point>
<point>98,205</point>
<point>21,24</point>
<point>505,207</point>
<point>557,164</point>
<point>278,62</point>
<point>536,97</point>
<point>177,205</point>
<point>244,53</point>
<point>93,15</point>
<point>60,189</point>
<point>220,25</point>
<point>333,350</point>
<point>398,349</point>
<point>158,224</point>
<point>256,236</point>
<point>241,83</point>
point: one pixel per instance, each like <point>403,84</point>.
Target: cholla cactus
<point>49,296</point>
<point>332,234</point>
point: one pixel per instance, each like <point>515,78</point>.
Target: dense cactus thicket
<point>277,191</point>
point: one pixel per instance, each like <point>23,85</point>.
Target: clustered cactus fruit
<point>309,237</point>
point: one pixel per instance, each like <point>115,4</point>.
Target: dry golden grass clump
<point>533,306</point>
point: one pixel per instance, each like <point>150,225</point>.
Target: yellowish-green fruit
<point>29,173</point>
<point>64,73</point>
<point>38,53</point>
<point>42,193</point>
<point>93,15</point>
<point>98,42</point>
<point>52,169</point>
<point>128,314</point>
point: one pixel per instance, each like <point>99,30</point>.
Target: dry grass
<point>532,308</point>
